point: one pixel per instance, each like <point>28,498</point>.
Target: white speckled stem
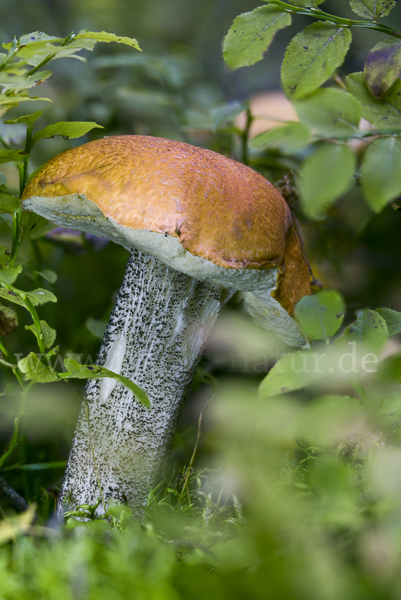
<point>156,331</point>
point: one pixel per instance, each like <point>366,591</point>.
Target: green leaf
<point>103,36</point>
<point>76,370</point>
<point>306,3</point>
<point>11,156</point>
<point>392,318</point>
<point>9,204</point>
<point>35,370</point>
<point>38,296</point>
<point>370,327</point>
<point>27,119</point>
<point>372,9</point>
<point>384,113</point>
<point>96,327</point>
<point>48,275</point>
<point>32,223</point>
<point>325,176</point>
<point>312,56</point>
<point>48,333</point>
<point>321,315</point>
<point>5,255</point>
<point>251,34</point>
<point>17,83</point>
<point>381,172</point>
<point>383,66</point>
<point>331,112</point>
<point>68,129</point>
<point>8,276</point>
<point>291,372</point>
<point>226,112</point>
<point>289,138</point>
<point>8,319</point>
<point>3,179</point>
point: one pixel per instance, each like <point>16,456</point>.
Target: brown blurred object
<point>8,319</point>
<point>270,109</point>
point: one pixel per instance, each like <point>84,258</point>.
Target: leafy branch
<point>20,71</point>
<point>318,14</point>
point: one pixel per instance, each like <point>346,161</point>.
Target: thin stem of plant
<point>191,462</point>
<point>320,14</point>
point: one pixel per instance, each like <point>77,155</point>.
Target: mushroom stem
<point>155,334</point>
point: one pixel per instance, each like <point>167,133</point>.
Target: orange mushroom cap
<point>217,208</point>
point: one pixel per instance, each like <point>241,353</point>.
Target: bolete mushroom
<point>199,227</point>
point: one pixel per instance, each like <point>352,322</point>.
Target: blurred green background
<point>320,523</point>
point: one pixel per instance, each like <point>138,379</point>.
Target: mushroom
<point>199,227</point>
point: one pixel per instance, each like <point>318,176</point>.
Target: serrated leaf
<point>17,83</point>
<point>8,276</point>
<point>9,204</point>
<point>384,113</point>
<point>289,138</point>
<point>34,370</point>
<point>291,372</point>
<point>48,275</point>
<point>369,327</point>
<point>103,36</point>
<point>372,9</point>
<point>8,102</point>
<point>383,66</point>
<point>48,333</point>
<point>330,112</point>
<point>312,56</point>
<point>33,38</point>
<point>381,172</point>
<point>77,370</point>
<point>251,34</point>
<point>27,119</point>
<point>3,179</point>
<point>325,176</point>
<point>321,315</point>
<point>392,318</point>
<point>69,130</point>
<point>7,156</point>
<point>8,319</point>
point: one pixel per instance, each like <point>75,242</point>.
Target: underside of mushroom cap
<point>198,211</point>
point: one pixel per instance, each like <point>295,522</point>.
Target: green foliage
<point>372,9</point>
<point>325,176</point>
<point>321,315</point>
<point>251,35</point>
<point>381,172</point>
<point>383,67</point>
<point>384,112</point>
<point>330,112</point>
<point>312,57</point>
<point>289,138</point>
<point>69,131</point>
<point>305,504</point>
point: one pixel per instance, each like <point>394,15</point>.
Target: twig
<point>16,500</point>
